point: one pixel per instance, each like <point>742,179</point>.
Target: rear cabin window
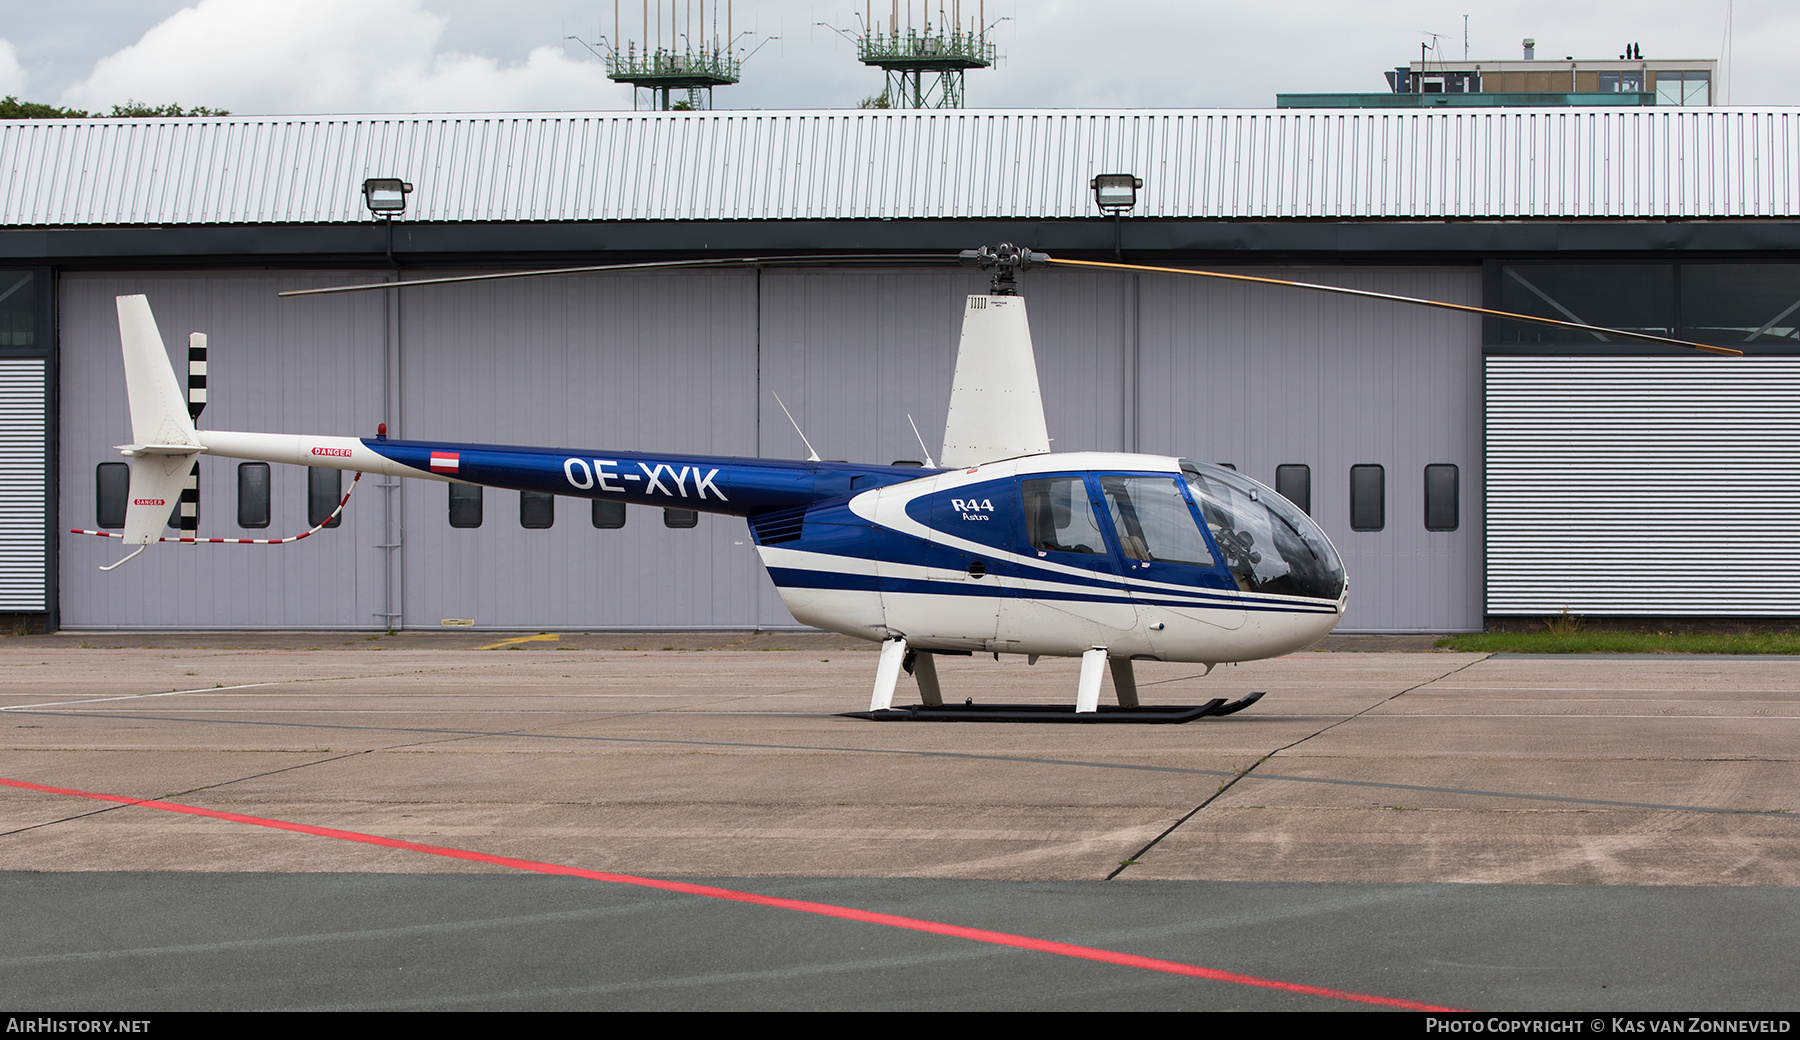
<point>1060,518</point>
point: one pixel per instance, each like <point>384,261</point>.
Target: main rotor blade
<point>1601,330</point>
<point>745,261</point>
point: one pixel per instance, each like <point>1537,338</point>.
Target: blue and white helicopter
<point>1001,546</point>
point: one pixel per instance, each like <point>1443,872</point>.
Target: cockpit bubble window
<point>1154,521</point>
<point>1269,544</point>
<point>1059,517</point>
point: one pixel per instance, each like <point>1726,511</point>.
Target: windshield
<point>1268,543</point>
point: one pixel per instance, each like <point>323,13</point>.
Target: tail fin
<point>159,416</point>
<point>995,408</point>
<point>164,443</point>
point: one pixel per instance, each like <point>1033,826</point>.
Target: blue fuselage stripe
<point>795,577</point>
<point>706,483</point>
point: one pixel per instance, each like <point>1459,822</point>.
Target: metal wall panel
<point>1646,486</point>
<point>23,496</point>
<point>1540,162</point>
<point>633,362</point>
<point>852,354</point>
<point>1260,377</point>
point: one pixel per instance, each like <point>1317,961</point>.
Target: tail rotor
<point>196,403</point>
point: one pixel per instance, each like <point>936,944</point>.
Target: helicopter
<point>999,546</point>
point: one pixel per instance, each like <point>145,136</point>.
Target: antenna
<point>924,66</point>
<point>1725,58</point>
<point>811,455</point>
<point>694,61</point>
<point>928,463</point>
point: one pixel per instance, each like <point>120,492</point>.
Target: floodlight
<point>385,196</point>
<point>1116,192</point>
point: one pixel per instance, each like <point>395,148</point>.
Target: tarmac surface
<point>644,820</point>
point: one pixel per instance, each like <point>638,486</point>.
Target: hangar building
<point>1468,469</point>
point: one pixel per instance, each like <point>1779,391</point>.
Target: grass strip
<point>1605,642</point>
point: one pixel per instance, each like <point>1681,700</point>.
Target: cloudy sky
<point>345,56</point>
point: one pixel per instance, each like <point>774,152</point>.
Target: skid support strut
<point>924,670</point>
<point>1124,682</point>
<point>887,674</point>
<point>1087,695</point>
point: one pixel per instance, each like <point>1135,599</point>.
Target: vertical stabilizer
<point>159,414</point>
<point>996,411</point>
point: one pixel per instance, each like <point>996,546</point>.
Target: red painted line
<point>1128,960</point>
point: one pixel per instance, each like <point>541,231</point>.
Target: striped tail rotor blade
<point>196,387</point>
<point>190,504</point>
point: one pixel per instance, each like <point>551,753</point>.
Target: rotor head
<point>1006,261</point>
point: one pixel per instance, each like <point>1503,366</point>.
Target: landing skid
<point>1166,714</point>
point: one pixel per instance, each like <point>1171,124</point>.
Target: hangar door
<point>1643,486</point>
<point>1369,412</point>
<point>1632,479</point>
<point>624,362</point>
<point>274,367</point>
<point>1350,404</point>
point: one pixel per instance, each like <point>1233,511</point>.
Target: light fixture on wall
<point>1115,193</point>
<point>386,198</point>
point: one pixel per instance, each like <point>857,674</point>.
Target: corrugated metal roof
<point>1258,164</point>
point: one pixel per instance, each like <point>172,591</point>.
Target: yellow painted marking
<point>521,639</point>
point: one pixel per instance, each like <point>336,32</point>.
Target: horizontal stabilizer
<point>995,409</point>
<point>135,450</point>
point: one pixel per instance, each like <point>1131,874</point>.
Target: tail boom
<point>351,453</point>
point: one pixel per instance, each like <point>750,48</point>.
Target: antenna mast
<point>924,66</point>
<point>692,63</point>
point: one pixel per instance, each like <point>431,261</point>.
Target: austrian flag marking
<point>445,462</point>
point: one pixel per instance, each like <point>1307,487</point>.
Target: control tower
<point>680,71</point>
<point>925,60</point>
